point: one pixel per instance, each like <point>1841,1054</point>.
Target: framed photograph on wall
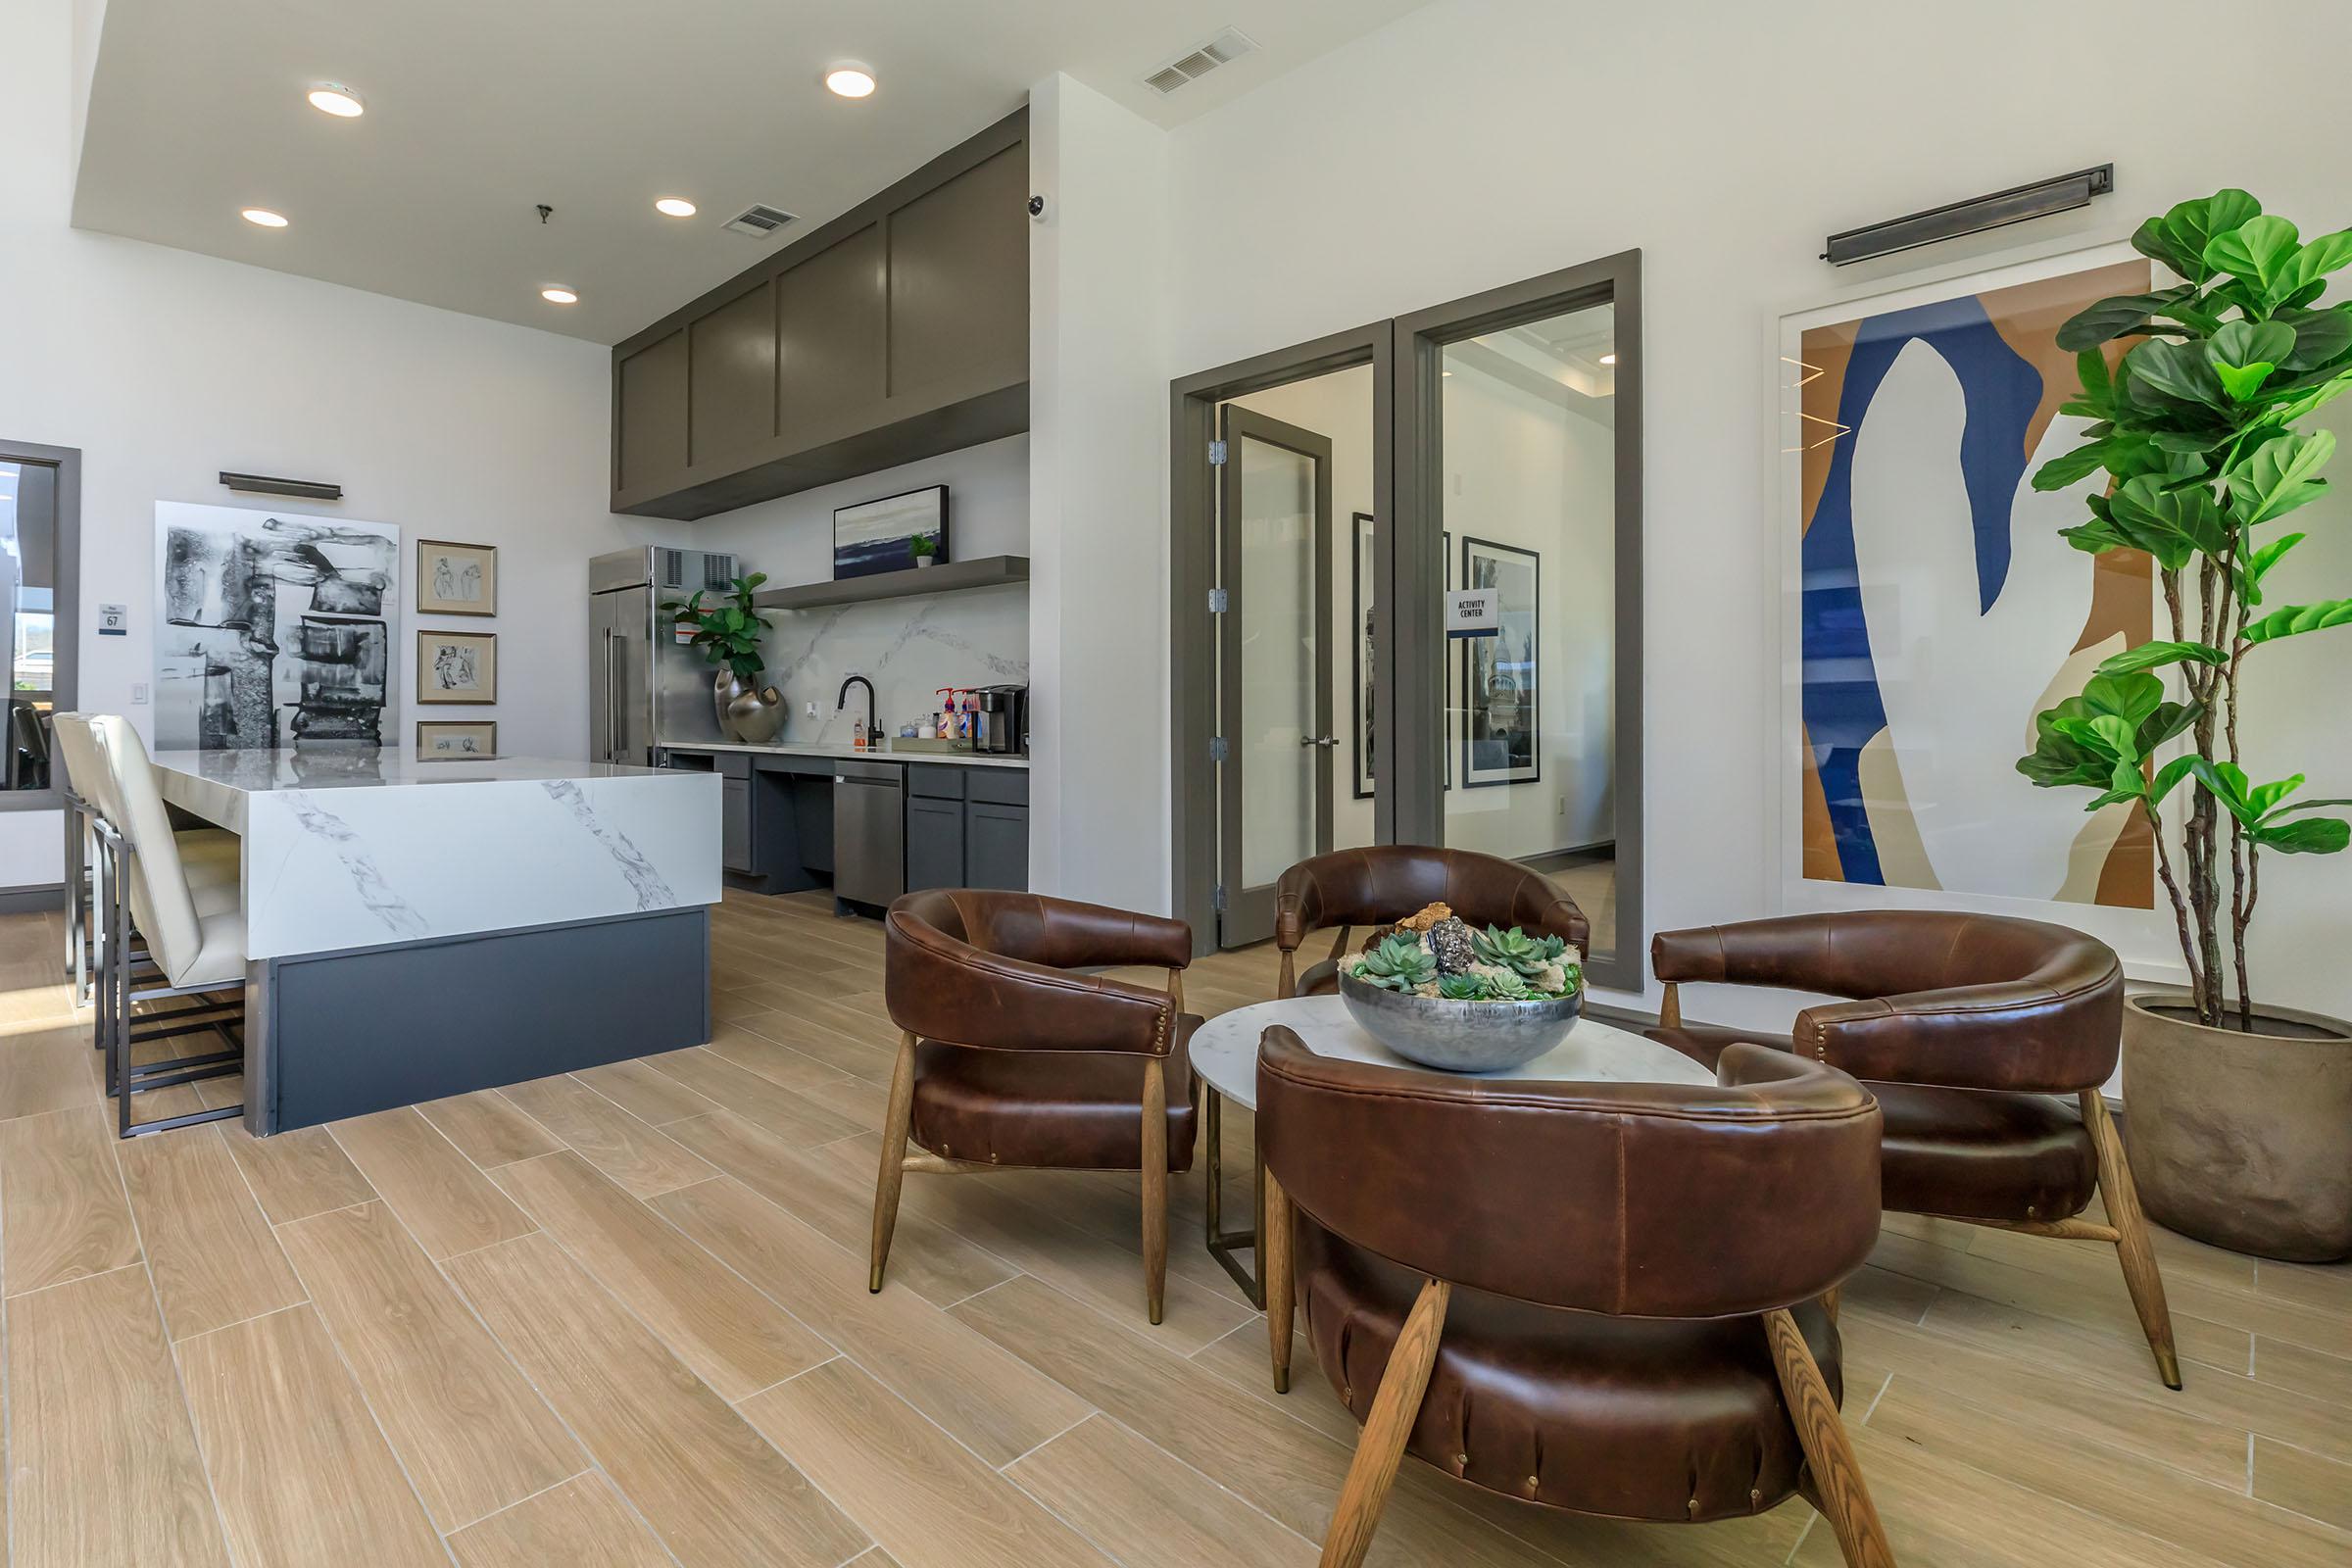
<point>888,534</point>
<point>456,666</point>
<point>454,739</point>
<point>1499,695</point>
<point>454,579</point>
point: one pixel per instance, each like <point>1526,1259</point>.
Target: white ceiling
<point>478,110</point>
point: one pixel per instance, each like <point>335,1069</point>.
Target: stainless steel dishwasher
<point>870,831</point>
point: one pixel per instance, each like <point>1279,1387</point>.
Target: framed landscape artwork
<point>1913,425</point>
<point>456,666</point>
<point>1499,695</point>
<point>271,628</point>
<point>452,739</point>
<point>454,579</point>
<point>880,535</point>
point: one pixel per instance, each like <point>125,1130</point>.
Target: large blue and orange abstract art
<point>1939,609</point>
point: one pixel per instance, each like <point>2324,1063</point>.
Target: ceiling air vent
<point>760,221</point>
<point>1193,63</point>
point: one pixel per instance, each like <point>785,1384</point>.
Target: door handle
<point>1318,739</point>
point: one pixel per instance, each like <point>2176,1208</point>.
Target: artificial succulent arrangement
<point>1436,953</point>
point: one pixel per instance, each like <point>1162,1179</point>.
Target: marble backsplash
<point>908,648</point>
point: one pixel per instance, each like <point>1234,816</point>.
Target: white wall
<point>1478,142</point>
<point>908,648</point>
<point>166,367</point>
<point>1097,491</point>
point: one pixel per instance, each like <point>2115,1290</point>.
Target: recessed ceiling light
<point>674,207</point>
<point>333,98</point>
<point>1608,359</point>
<point>850,78</point>
<point>265,217</point>
<point>558,295</point>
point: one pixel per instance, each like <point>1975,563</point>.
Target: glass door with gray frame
<point>1274,664</point>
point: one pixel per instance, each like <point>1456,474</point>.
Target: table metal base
<point>1222,1243</point>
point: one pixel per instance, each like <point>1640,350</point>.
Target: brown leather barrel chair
<point>1006,1058</point>
<point>1381,885</point>
<point>1602,1298</point>
<point>1985,1039</point>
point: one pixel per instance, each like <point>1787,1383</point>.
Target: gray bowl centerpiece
<point>1436,992</point>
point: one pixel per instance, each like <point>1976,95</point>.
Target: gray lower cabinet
<point>967,827</point>
<point>934,844</point>
<point>735,825</point>
<point>995,845</point>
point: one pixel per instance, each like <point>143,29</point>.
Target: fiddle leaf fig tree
<point>2196,428</point>
<point>728,632</point>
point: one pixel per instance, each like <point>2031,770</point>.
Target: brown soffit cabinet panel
<point>831,332</point>
<point>731,357</point>
<point>959,281</point>
<point>650,414</point>
<point>892,347</point>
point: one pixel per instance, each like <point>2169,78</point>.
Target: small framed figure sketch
<point>896,533</point>
<point>453,739</point>
<point>456,666</point>
<point>454,579</point>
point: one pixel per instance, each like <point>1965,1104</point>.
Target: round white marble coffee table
<point>1224,1057</point>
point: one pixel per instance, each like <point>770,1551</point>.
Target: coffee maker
<point>1003,720</point>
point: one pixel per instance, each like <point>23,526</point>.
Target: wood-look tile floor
<point>620,1318</point>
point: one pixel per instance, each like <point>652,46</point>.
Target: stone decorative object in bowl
<point>1438,993</point>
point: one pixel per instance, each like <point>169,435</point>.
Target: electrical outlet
<point>811,707</point>
<point>138,694</point>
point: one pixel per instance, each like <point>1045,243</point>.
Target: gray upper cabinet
<point>895,331</point>
<point>649,417</point>
<point>833,323</point>
<point>954,323</point>
<point>731,364</point>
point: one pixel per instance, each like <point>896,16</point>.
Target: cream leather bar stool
<point>196,950</point>
<point>208,856</point>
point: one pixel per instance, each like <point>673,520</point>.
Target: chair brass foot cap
<point>1282,1383</point>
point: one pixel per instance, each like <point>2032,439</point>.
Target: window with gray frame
<point>40,494</point>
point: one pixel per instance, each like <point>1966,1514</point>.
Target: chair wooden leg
<point>893,1174</point>
<point>1274,1270</point>
<point>1669,1007</point>
<point>1829,1303</point>
<point>1380,1447</point>
<point>1155,1186</point>
<point>1837,1490</point>
<point>2131,1243</point>
<point>1286,984</point>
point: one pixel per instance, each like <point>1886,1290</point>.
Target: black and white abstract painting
<point>271,628</point>
<point>1498,673</point>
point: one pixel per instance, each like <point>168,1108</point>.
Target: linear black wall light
<point>263,485</point>
<point>1971,217</point>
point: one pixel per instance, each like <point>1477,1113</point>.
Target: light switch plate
<point>138,694</point>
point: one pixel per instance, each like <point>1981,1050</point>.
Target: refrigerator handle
<point>611,704</point>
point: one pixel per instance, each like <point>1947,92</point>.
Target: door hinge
<point>1217,600</point>
<point>1216,454</point>
<point>1216,900</point>
<point>1216,748</point>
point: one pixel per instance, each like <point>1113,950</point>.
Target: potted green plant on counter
<point>2238,1113</point>
<point>926,546</point>
<point>728,632</point>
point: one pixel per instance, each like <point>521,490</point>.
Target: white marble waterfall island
<point>416,928</point>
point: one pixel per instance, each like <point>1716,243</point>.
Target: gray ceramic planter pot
<point>1460,1036</point>
<point>2243,1140</point>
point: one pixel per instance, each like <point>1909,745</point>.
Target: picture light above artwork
<point>262,485</point>
<point>1978,213</point>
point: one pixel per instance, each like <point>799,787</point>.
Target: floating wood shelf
<point>948,576</point>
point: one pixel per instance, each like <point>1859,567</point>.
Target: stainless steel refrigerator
<point>645,687</point>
